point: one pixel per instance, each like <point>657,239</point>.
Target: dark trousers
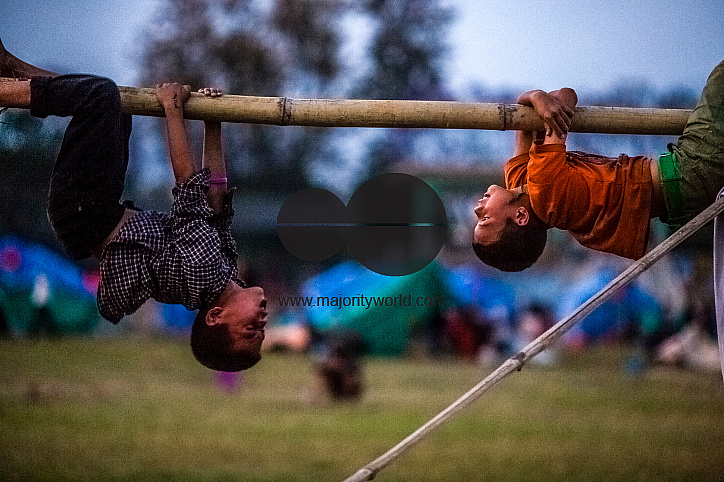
<point>89,173</point>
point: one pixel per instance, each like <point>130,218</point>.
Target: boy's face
<point>492,211</point>
<point>245,315</point>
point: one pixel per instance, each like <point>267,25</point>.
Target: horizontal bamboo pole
<point>404,113</point>
<point>515,363</point>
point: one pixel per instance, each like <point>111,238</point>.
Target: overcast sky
<point>522,44</point>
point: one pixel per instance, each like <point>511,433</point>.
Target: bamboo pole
<point>516,362</point>
<point>404,113</point>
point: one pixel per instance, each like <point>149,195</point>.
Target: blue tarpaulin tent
<point>40,286</point>
<point>382,309</point>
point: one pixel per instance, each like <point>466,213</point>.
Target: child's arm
<point>524,139</point>
<point>555,109</point>
<point>217,196</point>
<point>213,158</point>
<point>568,99</point>
<point>172,98</point>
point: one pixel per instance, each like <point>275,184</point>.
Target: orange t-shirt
<point>604,202</point>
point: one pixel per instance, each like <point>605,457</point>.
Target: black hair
<point>516,248</point>
<point>213,347</point>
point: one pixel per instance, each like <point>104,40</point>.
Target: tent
<point>42,290</point>
<point>384,310</point>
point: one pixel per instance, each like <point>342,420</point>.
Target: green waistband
<point>670,178</point>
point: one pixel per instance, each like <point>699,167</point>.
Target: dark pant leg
<point>89,173</point>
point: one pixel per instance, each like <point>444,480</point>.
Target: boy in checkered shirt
<point>186,256</point>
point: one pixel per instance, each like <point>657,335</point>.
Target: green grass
<point>125,409</point>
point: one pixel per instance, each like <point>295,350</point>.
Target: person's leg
<point>89,173</point>
<point>704,132</point>
<point>13,67</point>
<point>703,137</point>
<point>15,93</point>
<point>15,82</point>
<point>699,151</point>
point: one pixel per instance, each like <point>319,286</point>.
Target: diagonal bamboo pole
<point>541,343</point>
<point>404,113</point>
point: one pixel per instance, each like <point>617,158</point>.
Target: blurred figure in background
<point>532,322</point>
<point>42,319</point>
<point>340,368</point>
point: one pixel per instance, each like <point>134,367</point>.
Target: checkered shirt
<point>186,256</point>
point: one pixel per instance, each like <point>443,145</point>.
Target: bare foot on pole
<point>13,67</point>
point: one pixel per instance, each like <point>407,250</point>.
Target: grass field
<point>124,409</point>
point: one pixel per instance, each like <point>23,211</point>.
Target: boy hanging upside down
<point>186,256</point>
<point>605,203</point>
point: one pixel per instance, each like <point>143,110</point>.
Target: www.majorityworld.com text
<point>362,301</point>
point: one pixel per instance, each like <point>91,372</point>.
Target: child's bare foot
<point>13,67</point>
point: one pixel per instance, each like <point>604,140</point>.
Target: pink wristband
<point>218,180</point>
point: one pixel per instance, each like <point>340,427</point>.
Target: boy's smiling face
<point>492,212</point>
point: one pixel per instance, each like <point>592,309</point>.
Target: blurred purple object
<point>228,381</point>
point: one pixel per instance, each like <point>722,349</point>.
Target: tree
<point>407,52</point>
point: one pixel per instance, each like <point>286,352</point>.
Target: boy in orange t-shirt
<point>605,203</point>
